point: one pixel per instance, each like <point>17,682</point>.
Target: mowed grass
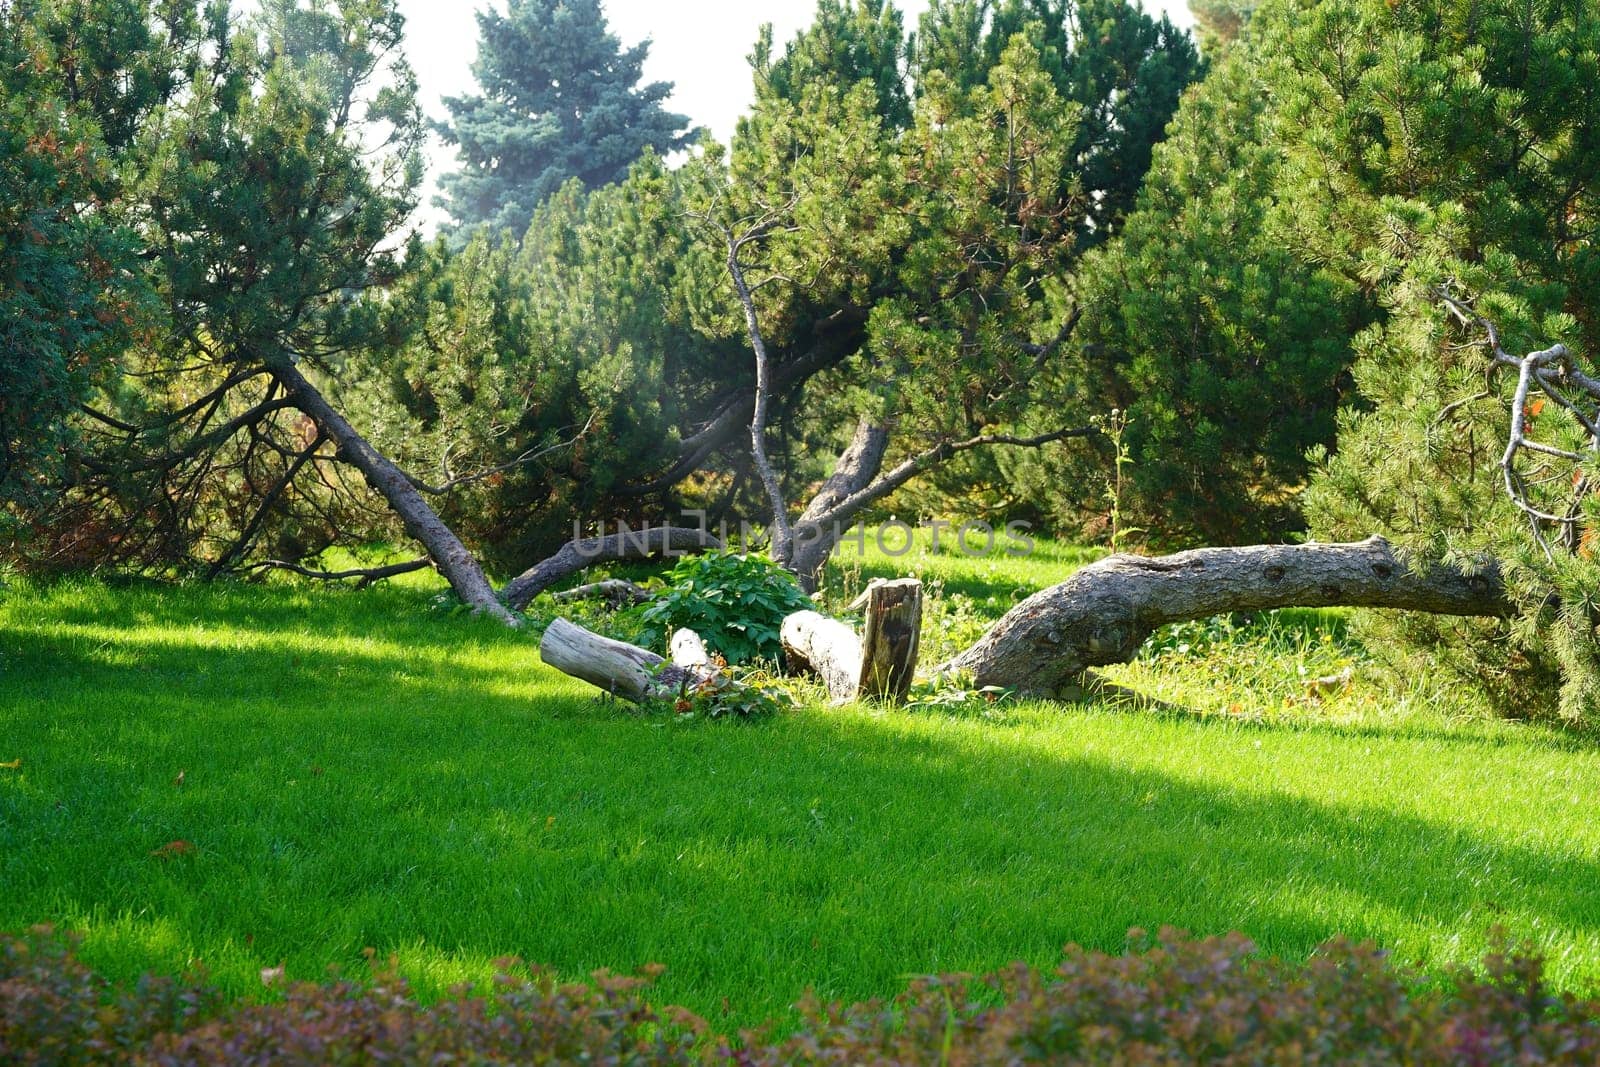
<point>359,771</point>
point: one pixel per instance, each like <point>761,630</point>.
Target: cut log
<point>579,555</point>
<point>891,639</point>
<point>689,650</point>
<point>828,648</point>
<point>879,665</point>
<point>1104,612</point>
<point>624,670</point>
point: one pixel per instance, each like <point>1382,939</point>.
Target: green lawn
<point>360,771</point>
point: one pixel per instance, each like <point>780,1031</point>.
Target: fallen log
<point>1104,612</point>
<point>579,555</point>
<point>689,649</point>
<point>625,670</point>
<point>881,663</point>
<point>615,590</point>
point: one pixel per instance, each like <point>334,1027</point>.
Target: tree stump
<point>881,664</point>
<point>891,639</point>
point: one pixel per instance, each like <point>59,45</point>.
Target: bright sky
<point>698,45</point>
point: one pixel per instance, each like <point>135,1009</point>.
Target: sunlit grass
<point>360,769</point>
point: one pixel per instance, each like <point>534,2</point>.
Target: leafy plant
<point>735,602</point>
<point>954,621</point>
<point>755,694</point>
<point>958,692</point>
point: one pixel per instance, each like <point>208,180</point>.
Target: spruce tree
<point>561,99</point>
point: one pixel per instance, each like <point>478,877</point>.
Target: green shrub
<point>1169,1000</point>
<point>736,603</point>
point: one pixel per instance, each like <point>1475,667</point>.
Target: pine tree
<point>1451,148</point>
<point>1124,70</point>
<point>68,285</point>
<point>1227,350</point>
<point>561,99</point>
<point>849,42</point>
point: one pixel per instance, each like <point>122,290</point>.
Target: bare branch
<point>366,575</point>
<point>532,454</point>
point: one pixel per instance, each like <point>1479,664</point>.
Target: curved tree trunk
<point>817,532</point>
<point>459,566</point>
<point>859,481</point>
<point>575,556</point>
<point>1104,612</point>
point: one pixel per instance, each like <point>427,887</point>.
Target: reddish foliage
<point>1172,1000</point>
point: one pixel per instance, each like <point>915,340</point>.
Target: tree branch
<point>367,575</point>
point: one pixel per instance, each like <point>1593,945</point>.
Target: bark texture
<point>826,647</point>
<point>459,566</point>
<point>891,639</point>
<point>878,665</point>
<point>575,556</point>
<point>817,533</point>
<point>1104,612</point>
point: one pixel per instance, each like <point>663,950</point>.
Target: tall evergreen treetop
<point>850,41</point>
<point>561,100</point>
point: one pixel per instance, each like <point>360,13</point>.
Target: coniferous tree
<point>917,230</point>
<point>68,293</point>
<point>1124,70</point>
<point>847,43</point>
<point>1228,352</point>
<point>1451,149</point>
<point>561,99</point>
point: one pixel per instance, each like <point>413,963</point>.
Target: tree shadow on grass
<point>453,813</point>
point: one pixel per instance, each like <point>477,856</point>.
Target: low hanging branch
<point>364,576</point>
<point>459,566</point>
<point>1104,612</point>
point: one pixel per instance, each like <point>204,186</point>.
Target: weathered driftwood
<point>579,555</point>
<point>827,647</point>
<point>625,670</point>
<point>881,663</point>
<point>1104,612</point>
<point>616,590</point>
